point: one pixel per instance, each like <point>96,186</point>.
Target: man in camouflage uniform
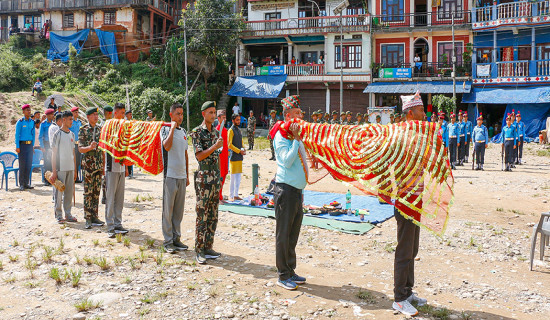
<point>335,119</point>
<point>206,142</point>
<point>349,119</point>
<point>366,117</point>
<point>359,118</point>
<point>342,118</point>
<point>92,165</point>
<point>251,129</point>
<point>272,122</point>
<point>327,118</point>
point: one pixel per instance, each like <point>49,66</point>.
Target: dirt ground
<point>478,270</point>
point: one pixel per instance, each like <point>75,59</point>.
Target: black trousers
<point>479,148</point>
<point>452,149</point>
<point>408,235</point>
<point>467,145</point>
<point>25,163</point>
<point>288,217</point>
<point>509,151</point>
<point>519,149</point>
<point>461,148</point>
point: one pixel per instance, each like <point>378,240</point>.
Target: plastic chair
<point>543,227</point>
<point>36,162</point>
<point>7,159</point>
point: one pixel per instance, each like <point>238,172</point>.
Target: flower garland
<point>404,164</point>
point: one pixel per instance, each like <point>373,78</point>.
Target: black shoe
<point>111,233</point>
<point>180,246</point>
<point>88,224</point>
<point>29,187</point>
<point>21,188</point>
<point>272,158</point>
<point>47,183</point>
<point>201,259</point>
<point>78,181</point>
<point>97,223</point>
<point>121,230</point>
<point>211,254</point>
<point>170,248</point>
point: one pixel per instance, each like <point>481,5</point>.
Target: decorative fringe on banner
<point>134,143</point>
<point>404,164</point>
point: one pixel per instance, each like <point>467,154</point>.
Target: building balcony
<point>511,14</point>
<point>512,72</point>
<point>438,19</point>
<point>306,26</point>
<point>84,4</point>
<point>424,71</point>
<point>21,6</point>
<point>306,73</point>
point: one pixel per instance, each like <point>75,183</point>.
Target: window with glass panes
<point>445,52</point>
<point>352,56</point>
<point>448,7</point>
<point>543,51</point>
<point>109,17</point>
<point>392,55</point>
<point>68,20</point>
<point>89,20</point>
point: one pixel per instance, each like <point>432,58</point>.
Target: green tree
<point>444,103</point>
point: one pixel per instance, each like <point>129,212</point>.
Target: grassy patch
<point>102,263</point>
<point>437,313</point>
<point>9,279</point>
<point>14,258</point>
<point>543,153</point>
<point>48,254</point>
<point>500,209</point>
<point>390,247</point>
<point>366,295</point>
<point>75,276</point>
<point>86,305</point>
<point>126,241</point>
<point>142,198</point>
<point>56,274</point>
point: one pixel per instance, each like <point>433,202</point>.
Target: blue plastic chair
<point>37,162</point>
<point>7,159</point>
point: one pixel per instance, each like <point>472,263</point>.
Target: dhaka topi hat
<point>208,104</point>
<point>411,101</point>
<point>291,102</point>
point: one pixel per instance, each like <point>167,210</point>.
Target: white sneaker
<point>405,307</point>
<point>419,301</point>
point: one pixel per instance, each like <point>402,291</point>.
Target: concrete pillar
<point>431,49</point>
<point>411,50</point>
<point>372,102</point>
<point>151,27</point>
<point>287,93</point>
<point>281,58</point>
<point>327,103</point>
<point>289,52</point>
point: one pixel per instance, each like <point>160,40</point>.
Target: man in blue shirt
<point>480,136</point>
<point>44,140</point>
<point>520,133</point>
<point>461,139</point>
<point>291,179</point>
<point>468,128</point>
<point>75,129</point>
<point>453,132</point>
<point>514,125</point>
<point>443,129</point>
<point>24,142</point>
<point>509,141</point>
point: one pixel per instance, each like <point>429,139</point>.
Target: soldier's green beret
<point>359,114</point>
<point>334,112</point>
<point>91,110</point>
<point>108,108</point>
<point>314,113</point>
<point>342,114</point>
<point>208,104</point>
<point>348,112</point>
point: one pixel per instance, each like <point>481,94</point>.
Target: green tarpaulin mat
<point>342,226</point>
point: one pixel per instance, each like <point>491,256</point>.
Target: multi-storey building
<point>413,47</point>
<point>302,37</point>
<point>511,61</point>
<point>137,24</point>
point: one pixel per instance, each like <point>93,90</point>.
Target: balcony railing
<point>513,69</point>
<point>425,19</point>
<point>309,25</point>
<point>433,69</point>
<point>511,13</point>
<point>14,5</point>
<point>75,4</point>
<point>289,69</point>
<point>543,67</point>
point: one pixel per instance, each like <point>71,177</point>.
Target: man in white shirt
<point>236,109</point>
<point>176,179</point>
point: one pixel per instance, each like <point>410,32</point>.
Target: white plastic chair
<point>543,227</point>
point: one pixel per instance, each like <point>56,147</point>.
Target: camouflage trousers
<point>271,147</point>
<point>104,189</point>
<point>92,187</point>
<point>207,215</point>
<point>250,140</point>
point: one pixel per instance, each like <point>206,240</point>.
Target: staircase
<point>224,100</point>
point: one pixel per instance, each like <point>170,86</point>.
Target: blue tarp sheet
<point>107,44</point>
<point>378,213</point>
<point>424,87</point>
<point>59,45</point>
<point>508,95</point>
<point>533,115</point>
<point>260,87</point>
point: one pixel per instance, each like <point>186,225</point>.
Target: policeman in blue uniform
<point>443,129</point>
<point>24,146</point>
<point>461,139</point>
<point>468,128</point>
<point>453,131</point>
<point>480,136</point>
<point>520,126</point>
<point>509,140</point>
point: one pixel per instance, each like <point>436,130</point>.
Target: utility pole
<point>453,58</point>
<point>341,64</point>
<point>186,81</point>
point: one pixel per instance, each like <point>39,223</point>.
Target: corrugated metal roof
<point>508,95</point>
<point>423,87</point>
